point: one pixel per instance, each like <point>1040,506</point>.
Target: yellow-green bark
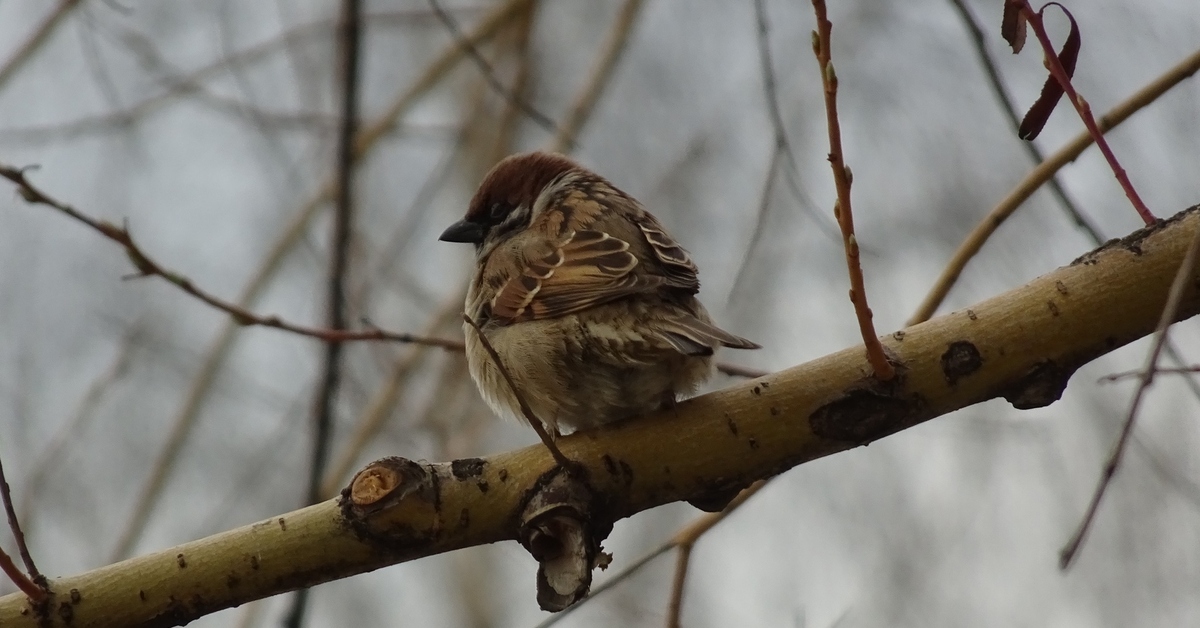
<point>1023,345</point>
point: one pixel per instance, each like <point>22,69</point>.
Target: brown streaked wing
<point>589,268</point>
<point>680,271</point>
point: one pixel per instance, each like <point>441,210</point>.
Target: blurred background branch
<point>136,419</point>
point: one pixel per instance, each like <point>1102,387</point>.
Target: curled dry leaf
<point>1012,28</point>
<point>1052,90</point>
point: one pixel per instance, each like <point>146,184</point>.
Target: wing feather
<point>587,269</point>
<point>678,266</point>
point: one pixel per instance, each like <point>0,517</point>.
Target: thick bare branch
<point>1022,345</point>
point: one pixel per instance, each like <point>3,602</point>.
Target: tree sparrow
<point>587,300</point>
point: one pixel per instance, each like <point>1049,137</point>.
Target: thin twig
<point>760,223</point>
<point>771,96</point>
<point>68,433</point>
<point>1183,370</point>
<point>611,582</point>
<point>382,403</point>
<point>34,584</point>
<point>19,578</point>
<point>675,606</point>
<point>606,62</point>
<point>685,536</point>
<point>191,83</point>
<point>148,267</point>
<point>1042,173</point>
<point>842,180</point>
<point>182,424</point>
<point>35,40</point>
<point>1085,110</point>
<point>532,419</point>
<point>1183,278</point>
<point>350,45</point>
<point>489,73</point>
<point>1009,107</point>
<point>517,45</point>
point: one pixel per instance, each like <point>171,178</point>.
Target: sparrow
<point>587,300</point>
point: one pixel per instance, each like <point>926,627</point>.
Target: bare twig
<point>1185,275</point>
<point>675,606</point>
<point>34,584</point>
<point>489,73</point>
<point>191,83</point>
<point>1183,370</point>
<point>35,40</point>
<point>381,404</point>
<point>771,96</point>
<point>760,222</point>
<point>686,536</point>
<point>349,45</point>
<point>606,61</point>
<point>148,267</point>
<point>19,578</point>
<point>1009,108</point>
<point>183,422</point>
<point>1054,64</point>
<point>517,45</point>
<point>1042,173</point>
<point>841,210</point>
<point>530,417</point>
<point>70,429</point>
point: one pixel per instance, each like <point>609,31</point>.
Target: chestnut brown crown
<point>504,201</point>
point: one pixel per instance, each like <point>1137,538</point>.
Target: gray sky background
<point>956,522</point>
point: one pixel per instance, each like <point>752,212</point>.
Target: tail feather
<point>692,336</point>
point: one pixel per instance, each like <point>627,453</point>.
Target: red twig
<point>1085,110</point>
<point>842,179</point>
<point>32,584</point>
<point>19,578</point>
<point>148,267</point>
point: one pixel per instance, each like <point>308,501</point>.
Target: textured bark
<point>1023,345</point>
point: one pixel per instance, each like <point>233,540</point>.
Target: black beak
<point>463,231</point>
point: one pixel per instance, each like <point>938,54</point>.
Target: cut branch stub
<point>384,483</point>
<point>561,533</point>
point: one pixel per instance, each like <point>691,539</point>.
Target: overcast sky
<point>956,522</point>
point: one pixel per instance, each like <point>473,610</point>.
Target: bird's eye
<point>498,211</point>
